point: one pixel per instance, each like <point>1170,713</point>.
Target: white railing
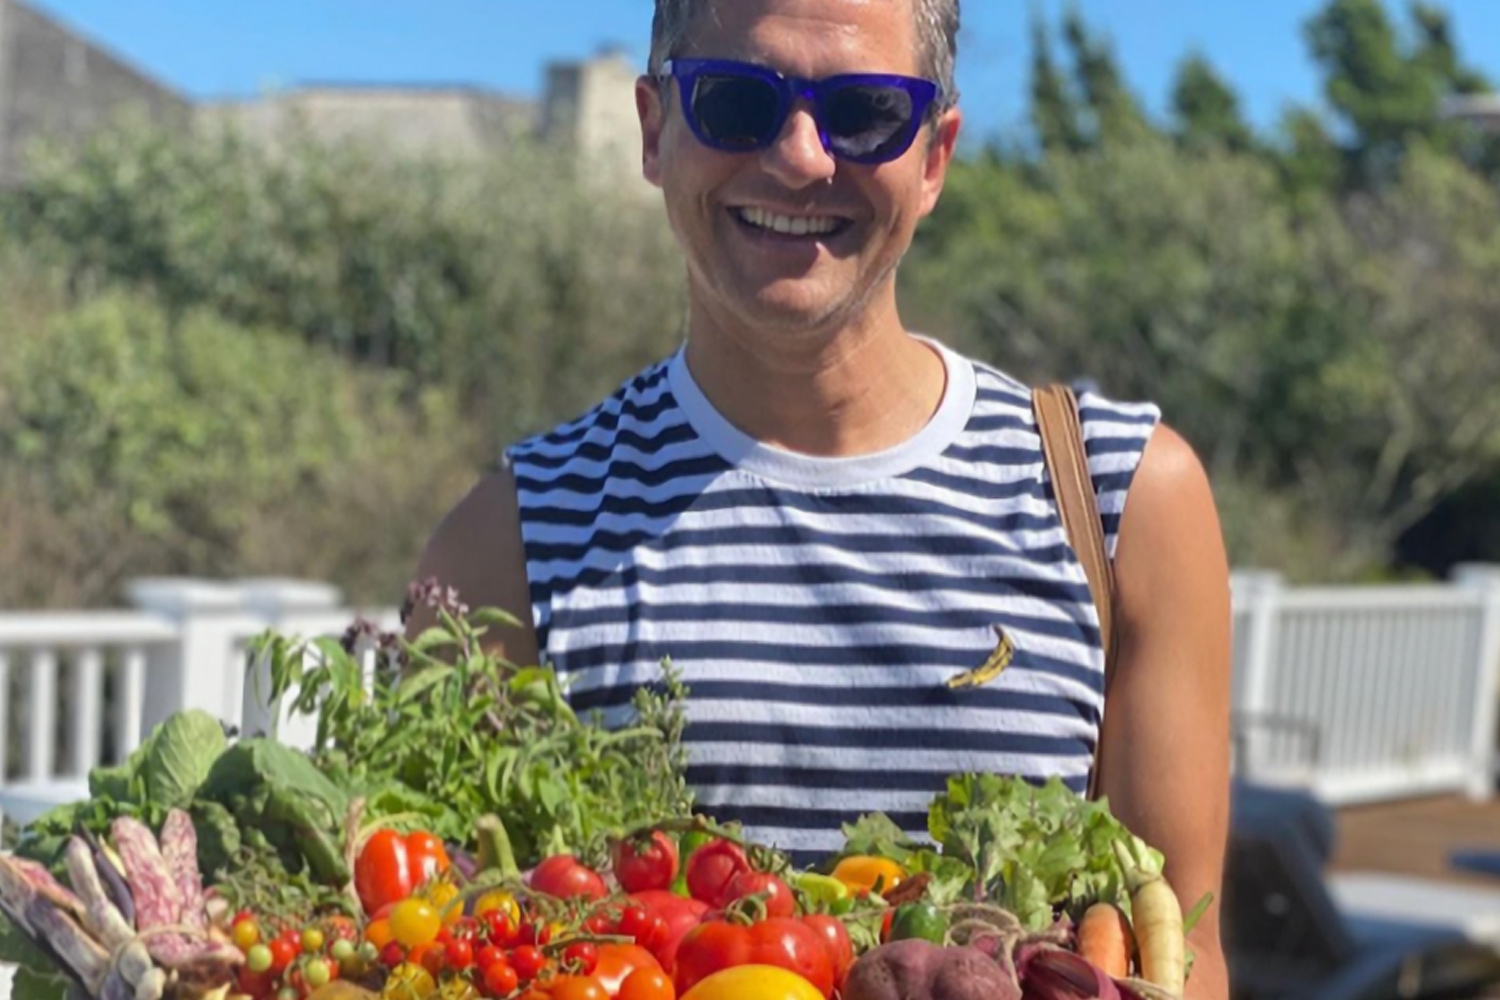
<point>1360,693</point>
<point>1369,693</point>
<point>84,688</point>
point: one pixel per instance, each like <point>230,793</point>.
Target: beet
<point>920,970</point>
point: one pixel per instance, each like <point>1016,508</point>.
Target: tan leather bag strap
<point>1061,429</point>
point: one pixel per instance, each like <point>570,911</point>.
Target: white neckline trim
<point>818,472</point>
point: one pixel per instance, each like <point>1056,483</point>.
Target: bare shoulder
<point>477,550</point>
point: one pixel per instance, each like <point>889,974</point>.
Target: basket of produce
<point>460,833</point>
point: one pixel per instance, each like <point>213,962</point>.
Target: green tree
<point>1112,111</point>
<point>1053,113</point>
<point>1206,108</point>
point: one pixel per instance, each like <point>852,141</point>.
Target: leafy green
<point>1035,849</point>
<point>37,976</point>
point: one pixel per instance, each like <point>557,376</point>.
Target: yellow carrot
<point>1156,916</point>
<point>1105,939</point>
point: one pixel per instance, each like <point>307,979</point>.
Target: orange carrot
<point>1105,939</point>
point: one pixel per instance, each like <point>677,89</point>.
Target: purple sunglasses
<point>740,107</point>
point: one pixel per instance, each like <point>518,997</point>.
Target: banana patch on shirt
<point>993,666</point>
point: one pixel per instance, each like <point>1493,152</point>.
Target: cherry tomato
<point>498,900</point>
<point>563,876</point>
<point>414,922</point>
<point>571,987</point>
<point>258,958</point>
<point>444,898</point>
<point>600,923</point>
<point>835,937</point>
<point>392,955</point>
<point>642,863</point>
<point>390,866</point>
<point>712,868</point>
<point>634,921</point>
<point>581,957</point>
<point>312,941</point>
<point>528,962</point>
<point>500,928</point>
<point>429,956</point>
<point>317,973</point>
<point>535,931</point>
<point>408,980</point>
<point>458,954</point>
<point>487,955</point>
<point>342,950</point>
<point>283,954</point>
<point>379,933</point>
<point>245,934</point>
<point>778,898</point>
<point>255,984</point>
<point>618,961</point>
<point>500,979</point>
<point>647,984</point>
<point>780,941</point>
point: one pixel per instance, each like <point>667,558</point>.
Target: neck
<point>861,389</point>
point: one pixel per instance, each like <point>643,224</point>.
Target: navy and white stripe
<point>817,606</point>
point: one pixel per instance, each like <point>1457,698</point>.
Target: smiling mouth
<point>793,226</point>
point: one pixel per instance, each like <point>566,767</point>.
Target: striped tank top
<point>816,607</point>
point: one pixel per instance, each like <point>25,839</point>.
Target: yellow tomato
<point>414,922</point>
<point>861,873</point>
<point>502,901</point>
<point>753,982</point>
<point>444,898</point>
<point>409,982</point>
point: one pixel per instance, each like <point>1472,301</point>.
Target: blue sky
<point>219,48</point>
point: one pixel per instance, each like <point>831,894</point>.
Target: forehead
<point>810,37</point>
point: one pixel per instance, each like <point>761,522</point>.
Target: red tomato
<point>391,866</point>
<point>528,962</point>
<point>786,943</point>
<point>618,961</point>
<point>711,869</point>
<point>645,863</point>
<point>581,957</point>
<point>681,915</point>
<point>458,954</point>
<point>779,901</point>
<point>500,979</point>
<point>255,984</point>
<point>283,954</point>
<point>576,988</point>
<point>835,938</point>
<point>564,877</point>
<point>647,984</point>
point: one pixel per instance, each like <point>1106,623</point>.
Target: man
<point>820,517</point>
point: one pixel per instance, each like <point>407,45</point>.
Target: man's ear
<point>938,154</point>
<point>651,108</point>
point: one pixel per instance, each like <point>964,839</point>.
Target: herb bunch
<point>448,731</point>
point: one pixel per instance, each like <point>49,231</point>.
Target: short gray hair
<point>937,37</point>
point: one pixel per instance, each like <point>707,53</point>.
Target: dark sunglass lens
<point>736,112</point>
<point>865,120</point>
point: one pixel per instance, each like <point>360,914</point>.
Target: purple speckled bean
<point>179,845</point>
<point>157,900</point>
<point>81,954</point>
<point>48,887</point>
<point>102,918</point>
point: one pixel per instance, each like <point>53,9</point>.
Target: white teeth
<point>789,225</point>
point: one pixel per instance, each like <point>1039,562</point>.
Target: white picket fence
<point>1361,693</point>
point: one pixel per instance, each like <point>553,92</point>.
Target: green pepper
<point>821,888</point>
<point>920,920</point>
<point>839,907</point>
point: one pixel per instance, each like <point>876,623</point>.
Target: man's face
<point>724,207</point>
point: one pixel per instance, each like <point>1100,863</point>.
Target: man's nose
<point>797,158</point>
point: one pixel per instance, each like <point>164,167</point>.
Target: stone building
<point>55,82</point>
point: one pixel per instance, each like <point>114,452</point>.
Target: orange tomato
<point>379,933</point>
<point>647,984</point>
<point>577,988</point>
<point>618,961</point>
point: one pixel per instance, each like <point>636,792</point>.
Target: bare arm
<point>1165,762</point>
<point>477,550</point>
